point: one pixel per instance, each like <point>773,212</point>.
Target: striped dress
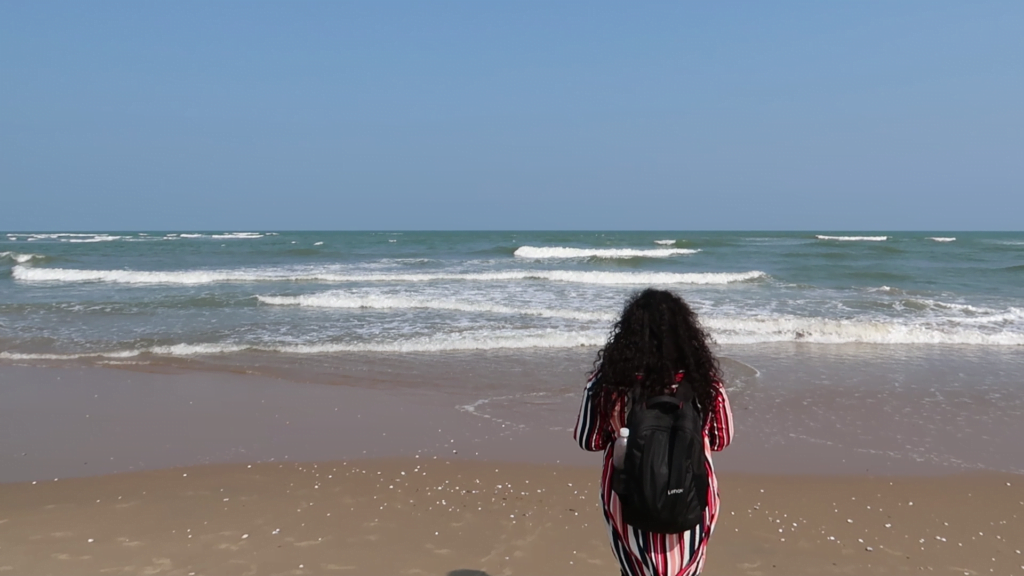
<point>642,553</point>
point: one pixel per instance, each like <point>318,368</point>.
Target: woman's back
<point>654,344</point>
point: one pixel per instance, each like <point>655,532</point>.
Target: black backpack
<point>663,483</point>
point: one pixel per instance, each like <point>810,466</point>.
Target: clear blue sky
<point>512,115</point>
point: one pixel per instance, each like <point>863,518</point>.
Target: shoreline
<point>435,516</point>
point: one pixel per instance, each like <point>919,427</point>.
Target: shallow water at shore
<point>799,409</point>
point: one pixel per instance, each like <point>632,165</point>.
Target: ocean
<point>878,351</point>
<point>157,294</point>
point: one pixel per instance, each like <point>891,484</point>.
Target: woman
<point>654,345</point>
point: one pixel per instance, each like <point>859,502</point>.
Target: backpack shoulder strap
<point>685,395</point>
<point>684,392</point>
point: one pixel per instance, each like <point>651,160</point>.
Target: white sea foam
<point>21,258</point>
<point>55,235</point>
<point>562,252</point>
<point>28,356</point>
<point>440,343</point>
<point>74,237</point>
<point>286,275</point>
<point>726,330</point>
<point>338,299</point>
<point>456,342</point>
<point>238,235</point>
<point>665,242</point>
<point>759,329</point>
<point>938,304</point>
<point>223,236</point>
<point>852,238</point>
<point>1013,315</point>
<point>942,239</point>
<point>97,238</point>
<point>196,349</point>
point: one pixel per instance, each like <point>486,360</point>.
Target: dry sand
<point>430,516</point>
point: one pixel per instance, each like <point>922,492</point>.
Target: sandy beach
<point>427,516</point>
<point>177,470</point>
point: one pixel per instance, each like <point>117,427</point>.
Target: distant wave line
<point>79,237</point>
<point>564,252</point>
<point>28,274</point>
<point>852,238</point>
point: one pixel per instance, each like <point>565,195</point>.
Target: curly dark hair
<point>657,336</point>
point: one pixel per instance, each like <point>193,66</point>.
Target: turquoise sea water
<point>165,294</point>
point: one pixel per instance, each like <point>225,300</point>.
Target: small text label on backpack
<point>675,491</point>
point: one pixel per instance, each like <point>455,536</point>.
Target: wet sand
<point>80,421</point>
<point>168,469</point>
<point>427,516</point>
<point>808,411</point>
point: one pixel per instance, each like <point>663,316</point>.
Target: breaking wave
<point>942,239</point>
<point>760,329</point>
<point>441,343</point>
<point>853,238</point>
<point>21,258</point>
<point>336,299</point>
<point>80,237</point>
<point>726,330</point>
<point>224,236</point>
<point>665,242</point>
<point>28,274</point>
<point>562,252</point>
<point>98,238</point>
<point>238,235</point>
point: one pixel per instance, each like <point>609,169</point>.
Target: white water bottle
<point>619,450</point>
